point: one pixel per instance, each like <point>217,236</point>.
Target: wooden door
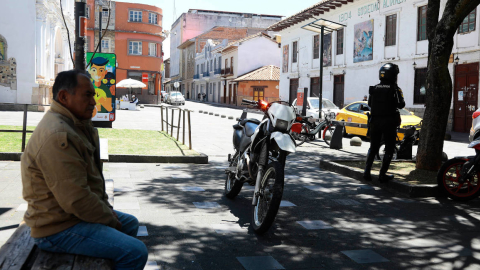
<point>465,96</point>
<point>338,90</point>
<point>293,90</point>
<point>229,94</point>
<point>315,87</point>
<point>224,99</point>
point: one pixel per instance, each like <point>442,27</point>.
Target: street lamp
<point>323,27</point>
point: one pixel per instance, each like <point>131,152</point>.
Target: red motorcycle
<point>459,177</point>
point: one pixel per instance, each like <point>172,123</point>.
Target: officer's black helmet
<point>389,72</point>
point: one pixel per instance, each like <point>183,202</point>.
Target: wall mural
<point>8,67</point>
<point>285,59</point>
<point>327,50</point>
<point>363,42</point>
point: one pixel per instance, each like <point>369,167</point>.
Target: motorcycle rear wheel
<point>232,185</point>
<point>264,213</point>
<point>447,180</point>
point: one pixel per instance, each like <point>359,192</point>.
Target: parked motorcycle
<point>261,149</point>
<point>459,177</point>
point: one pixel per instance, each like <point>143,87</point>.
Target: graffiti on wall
<point>8,67</point>
<point>363,42</point>
<point>285,59</point>
<point>103,76</point>
<point>327,50</point>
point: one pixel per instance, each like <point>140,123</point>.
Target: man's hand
<point>119,224</point>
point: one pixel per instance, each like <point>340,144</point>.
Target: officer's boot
<point>383,177</point>
<point>367,176</point>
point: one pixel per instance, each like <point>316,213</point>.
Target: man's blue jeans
<point>97,240</point>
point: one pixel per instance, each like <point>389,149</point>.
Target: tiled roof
<point>266,73</point>
<point>308,13</point>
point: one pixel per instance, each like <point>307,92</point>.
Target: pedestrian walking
<point>384,100</point>
<point>365,98</point>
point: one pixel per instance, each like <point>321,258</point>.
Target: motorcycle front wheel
<point>232,185</point>
<point>271,192</point>
<point>447,180</point>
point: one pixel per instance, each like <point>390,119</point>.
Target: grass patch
<point>403,171</point>
<point>120,142</point>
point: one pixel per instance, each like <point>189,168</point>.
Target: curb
<point>412,191</point>
<point>202,159</point>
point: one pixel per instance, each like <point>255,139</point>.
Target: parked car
<point>475,130</point>
<point>355,113</point>
<point>312,107</point>
<point>175,98</point>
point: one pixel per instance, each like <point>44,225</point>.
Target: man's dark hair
<point>66,80</point>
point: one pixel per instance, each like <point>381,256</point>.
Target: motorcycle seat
<point>251,120</point>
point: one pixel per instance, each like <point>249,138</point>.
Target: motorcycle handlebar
<point>249,101</point>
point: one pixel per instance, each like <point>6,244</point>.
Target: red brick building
<point>259,84</point>
<point>135,36</point>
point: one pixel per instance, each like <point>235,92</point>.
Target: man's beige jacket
<point>62,175</point>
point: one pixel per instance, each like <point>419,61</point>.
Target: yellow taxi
<point>355,113</point>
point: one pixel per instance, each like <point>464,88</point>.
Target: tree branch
<point>433,12</point>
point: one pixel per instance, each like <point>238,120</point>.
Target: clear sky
<point>271,7</point>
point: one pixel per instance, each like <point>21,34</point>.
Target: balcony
<point>217,71</point>
<point>226,71</point>
<point>196,76</point>
<point>206,74</point>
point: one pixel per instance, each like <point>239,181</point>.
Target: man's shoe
<point>385,178</point>
<point>367,176</point>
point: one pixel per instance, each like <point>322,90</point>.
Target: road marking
<point>151,265</point>
<point>22,208</point>
<point>142,231</point>
<point>192,189</point>
<point>286,204</point>
<point>259,263</point>
<point>364,256</point>
<point>314,225</point>
<point>206,205</point>
<point>228,228</point>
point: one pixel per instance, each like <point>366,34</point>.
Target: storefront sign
<point>389,3</point>
<point>369,9</point>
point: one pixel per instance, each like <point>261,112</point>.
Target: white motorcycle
<point>261,148</point>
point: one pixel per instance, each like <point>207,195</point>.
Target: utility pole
<point>80,34</point>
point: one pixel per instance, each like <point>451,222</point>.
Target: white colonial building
<point>207,72</point>
<point>243,56</point>
<point>375,32</point>
<point>33,48</point>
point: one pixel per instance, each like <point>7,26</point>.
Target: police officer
<point>384,100</point>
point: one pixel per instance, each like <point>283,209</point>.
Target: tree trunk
<point>438,82</point>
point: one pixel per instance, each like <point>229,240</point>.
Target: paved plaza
<point>326,221</point>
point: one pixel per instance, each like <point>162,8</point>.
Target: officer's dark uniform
<point>384,100</point>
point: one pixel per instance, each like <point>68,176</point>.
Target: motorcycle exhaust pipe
<point>257,185</point>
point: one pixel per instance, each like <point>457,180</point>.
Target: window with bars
<point>419,89</point>
<point>391,30</point>
<point>468,24</point>
<point>104,13</point>
<point>294,51</point>
<point>340,41</point>
<point>135,16</point>
<point>152,18</point>
<point>135,47</point>
<point>422,23</point>
<point>258,93</point>
<point>316,47</point>
<point>87,14</point>
<point>152,49</point>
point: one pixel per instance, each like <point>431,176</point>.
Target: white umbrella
<point>130,83</point>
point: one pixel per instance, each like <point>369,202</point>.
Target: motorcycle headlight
<point>281,125</point>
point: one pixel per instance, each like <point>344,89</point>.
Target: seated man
<point>134,99</point>
<point>68,209</point>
